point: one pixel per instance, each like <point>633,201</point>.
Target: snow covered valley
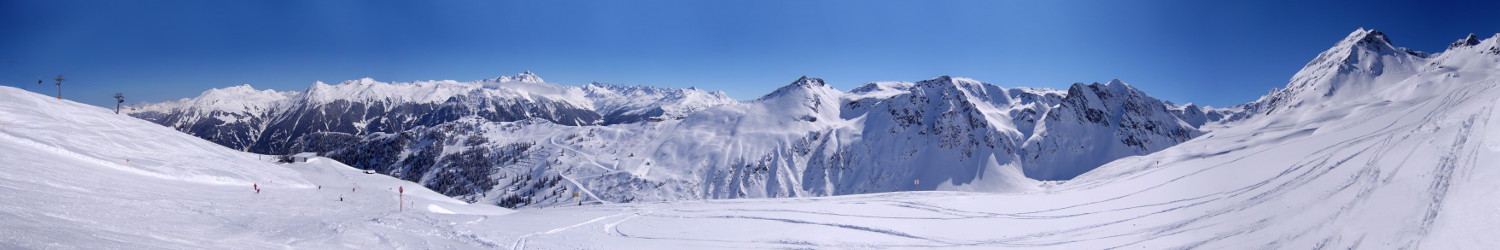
<point>1370,146</point>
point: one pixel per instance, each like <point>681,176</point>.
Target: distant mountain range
<point>520,141</point>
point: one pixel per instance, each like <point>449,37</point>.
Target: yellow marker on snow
<point>575,195</point>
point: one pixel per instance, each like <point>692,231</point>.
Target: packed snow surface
<point>1409,162</point>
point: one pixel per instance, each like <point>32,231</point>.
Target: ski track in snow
<point>1402,171</point>
<point>521,241</point>
<point>117,166</point>
<point>577,184</point>
<point>1346,175</point>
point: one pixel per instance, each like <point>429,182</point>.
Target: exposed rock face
<point>518,141</point>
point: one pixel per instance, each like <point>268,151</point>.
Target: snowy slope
<point>263,121</point>
<point>804,139</point>
<point>1407,163</point>
<point>78,130</point>
<point>1098,123</point>
<point>234,117</point>
<point>68,184</point>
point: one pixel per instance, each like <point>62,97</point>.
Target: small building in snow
<point>304,156</point>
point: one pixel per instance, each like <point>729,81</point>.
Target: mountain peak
<point>803,84</point>
<point>809,81</point>
<point>1090,93</point>
<point>1371,40</point>
<point>948,82</point>
<point>1354,65</point>
<point>1365,36</point>
<point>361,81</point>
<point>526,77</point>
<point>1116,81</point>
<point>1469,41</point>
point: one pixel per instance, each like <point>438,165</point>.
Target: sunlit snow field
<point>1408,172</point>
<point>1406,160</point>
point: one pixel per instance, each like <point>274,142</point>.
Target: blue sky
<point>1208,52</point>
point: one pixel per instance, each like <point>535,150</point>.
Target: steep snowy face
<point>1191,114</point>
<point>807,99</point>
<point>1362,68</point>
<point>1466,42</point>
<point>952,114</point>
<point>629,104</point>
<point>1358,64</point>
<point>1468,54</point>
<point>942,133</point>
<point>858,101</point>
<point>1096,124</point>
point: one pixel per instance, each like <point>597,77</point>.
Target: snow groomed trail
<point>65,183</point>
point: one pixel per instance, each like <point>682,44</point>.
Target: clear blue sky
<point>1208,52</point>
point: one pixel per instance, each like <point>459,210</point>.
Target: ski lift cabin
<point>304,156</point>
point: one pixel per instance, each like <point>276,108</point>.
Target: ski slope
<point>66,184</point>
<point>1394,159</point>
<point>1408,171</point>
<point>1405,172</point>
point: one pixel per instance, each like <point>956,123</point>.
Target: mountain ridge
<point>802,139</point>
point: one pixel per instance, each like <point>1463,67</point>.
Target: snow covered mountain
<point>653,144</point>
<point>264,121</point>
<point>1098,123</point>
<point>235,117</point>
<point>518,141</point>
<point>1349,71</point>
<point>1403,160</point>
<point>1405,163</point>
<point>80,176</point>
<point>626,104</point>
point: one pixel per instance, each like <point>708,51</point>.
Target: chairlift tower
<point>119,98</point>
<point>59,79</point>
